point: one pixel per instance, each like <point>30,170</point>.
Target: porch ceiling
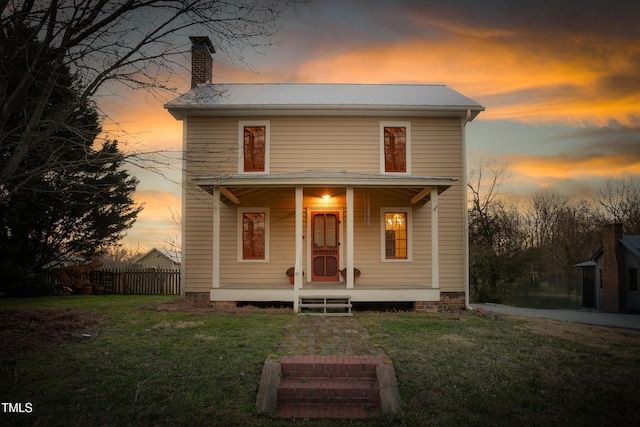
<point>239,186</point>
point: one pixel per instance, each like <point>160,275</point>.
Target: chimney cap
<point>202,42</point>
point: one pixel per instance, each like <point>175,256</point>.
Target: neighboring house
<point>320,180</point>
<point>65,260</point>
<point>159,259</point>
<point>610,278</point>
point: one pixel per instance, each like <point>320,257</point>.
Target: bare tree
<point>543,213</point>
<point>173,244</point>
<point>561,232</point>
<point>128,42</point>
<point>620,199</point>
<point>484,183</point>
<point>496,242</point>
<point>119,256</point>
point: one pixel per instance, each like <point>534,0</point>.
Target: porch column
<point>216,238</point>
<point>435,272</point>
<point>350,252</point>
<point>297,273</point>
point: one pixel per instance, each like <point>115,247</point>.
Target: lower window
<point>254,234</point>
<point>396,232</point>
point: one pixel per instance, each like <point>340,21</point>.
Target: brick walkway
<point>328,336</point>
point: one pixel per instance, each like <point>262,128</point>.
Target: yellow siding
<point>281,242</point>
<point>330,143</point>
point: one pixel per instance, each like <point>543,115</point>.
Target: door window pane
<point>318,231</point>
<point>331,228</point>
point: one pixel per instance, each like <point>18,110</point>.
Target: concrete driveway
<point>590,317</point>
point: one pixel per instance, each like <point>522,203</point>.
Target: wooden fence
<point>79,279</point>
<point>139,282</point>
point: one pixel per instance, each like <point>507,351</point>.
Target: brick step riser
<point>373,402</point>
<point>330,392</point>
<point>333,411</point>
<point>329,371</point>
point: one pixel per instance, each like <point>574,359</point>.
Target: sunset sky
<point>560,81</point>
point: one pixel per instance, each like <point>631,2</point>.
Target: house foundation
<point>224,304</point>
<point>452,300</point>
<point>448,301</point>
<point>198,298</point>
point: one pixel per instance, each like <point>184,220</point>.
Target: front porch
<point>308,220</point>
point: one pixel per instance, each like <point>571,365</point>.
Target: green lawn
<point>132,360</point>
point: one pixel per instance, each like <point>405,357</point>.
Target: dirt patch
<point>484,314</point>
<point>24,331</point>
<point>178,325</point>
<point>327,336</point>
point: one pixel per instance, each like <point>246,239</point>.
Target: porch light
<point>326,196</point>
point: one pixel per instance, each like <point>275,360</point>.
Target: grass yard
<point>141,360</point>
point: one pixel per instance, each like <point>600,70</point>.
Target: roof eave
<point>179,112</point>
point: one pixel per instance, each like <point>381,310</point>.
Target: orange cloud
<point>158,205</point>
<point>140,121</point>
<point>532,78</point>
<point>155,224</point>
<point>552,168</point>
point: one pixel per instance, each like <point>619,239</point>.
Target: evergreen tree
<point>77,207</point>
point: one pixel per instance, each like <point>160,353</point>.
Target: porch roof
<point>417,187</point>
<point>322,178</point>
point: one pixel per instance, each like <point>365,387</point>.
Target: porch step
<point>325,306</point>
<point>332,387</point>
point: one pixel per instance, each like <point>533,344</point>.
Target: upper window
<point>254,147</point>
<point>395,147</point>
<point>396,231</point>
<point>254,226</point>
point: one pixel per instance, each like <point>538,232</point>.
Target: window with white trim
<point>395,234</point>
<point>395,147</point>
<point>253,146</point>
<point>253,236</point>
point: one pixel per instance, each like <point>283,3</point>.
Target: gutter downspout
<point>465,214</point>
<point>183,211</point>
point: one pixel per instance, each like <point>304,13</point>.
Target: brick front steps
<point>333,387</point>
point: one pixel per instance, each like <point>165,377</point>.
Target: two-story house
<point>294,191</point>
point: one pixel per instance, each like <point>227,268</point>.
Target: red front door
<point>325,247</point>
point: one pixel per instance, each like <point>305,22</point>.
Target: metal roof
<point>323,99</point>
<point>172,255</point>
<point>632,244</point>
<point>586,264</point>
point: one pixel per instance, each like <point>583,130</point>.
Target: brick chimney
<point>612,269</point>
<point>201,61</point>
